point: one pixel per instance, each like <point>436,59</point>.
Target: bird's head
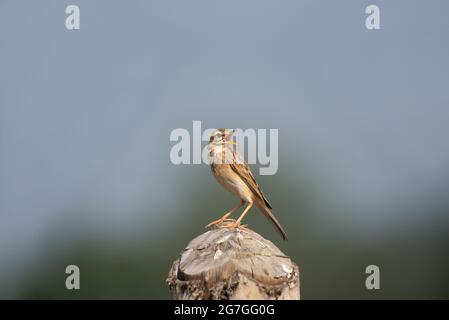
<point>222,136</point>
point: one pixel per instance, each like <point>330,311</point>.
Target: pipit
<point>234,174</point>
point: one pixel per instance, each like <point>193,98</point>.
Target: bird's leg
<point>237,223</point>
<point>227,214</point>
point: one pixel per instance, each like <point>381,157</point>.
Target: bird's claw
<point>235,225</point>
<point>228,223</point>
<point>218,222</point>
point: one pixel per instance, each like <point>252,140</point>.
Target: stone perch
<point>233,264</point>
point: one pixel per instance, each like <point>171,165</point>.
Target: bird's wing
<point>241,168</point>
<point>243,171</point>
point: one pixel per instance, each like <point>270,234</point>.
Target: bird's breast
<point>232,182</point>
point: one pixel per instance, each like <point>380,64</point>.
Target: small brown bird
<point>234,174</point>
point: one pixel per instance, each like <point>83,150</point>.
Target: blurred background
<point>85,119</point>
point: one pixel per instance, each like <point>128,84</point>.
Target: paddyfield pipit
<point>234,174</point>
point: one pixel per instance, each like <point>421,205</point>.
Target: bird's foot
<point>217,222</point>
<point>235,225</point>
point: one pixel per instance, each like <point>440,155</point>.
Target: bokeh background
<point>85,118</point>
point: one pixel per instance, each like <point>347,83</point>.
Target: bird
<point>234,174</point>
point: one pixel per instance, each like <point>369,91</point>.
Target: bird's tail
<point>267,213</point>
